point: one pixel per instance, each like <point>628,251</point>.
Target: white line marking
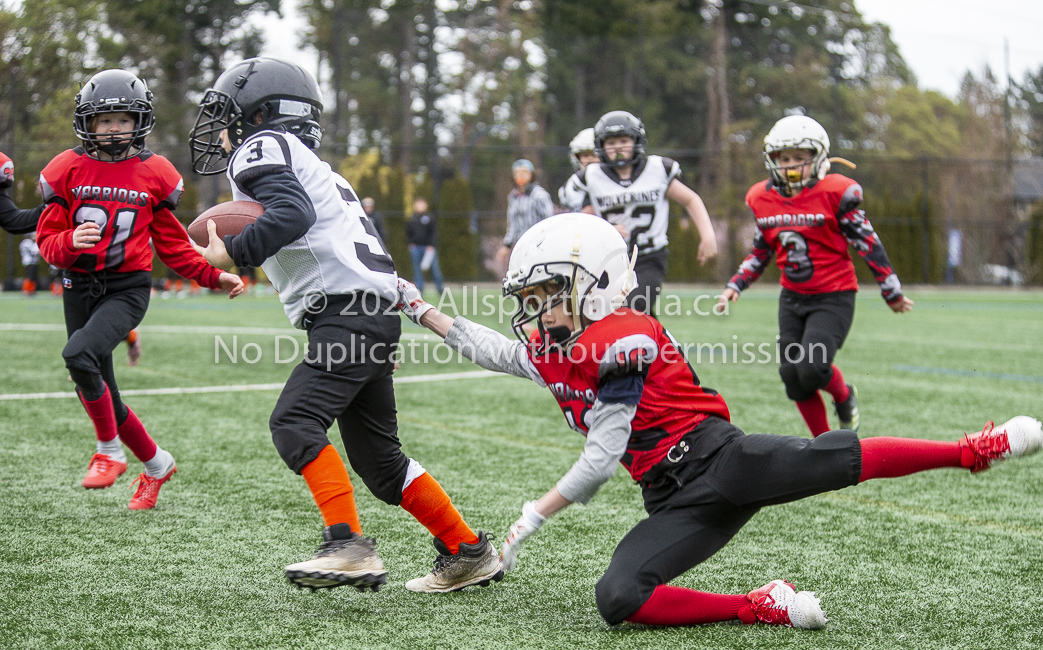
<point>241,388</point>
<point>192,329</point>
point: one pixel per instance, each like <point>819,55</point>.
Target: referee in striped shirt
<point>527,204</point>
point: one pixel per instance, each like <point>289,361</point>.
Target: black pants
<point>811,328</point>
<point>650,269</point>
<point>100,310</point>
<point>699,504</point>
<point>346,376</point>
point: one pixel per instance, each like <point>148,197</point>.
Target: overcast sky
<point>940,39</point>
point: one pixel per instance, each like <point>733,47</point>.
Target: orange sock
<point>430,505</point>
<point>327,478</point>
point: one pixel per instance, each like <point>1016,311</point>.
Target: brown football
<point>229,217</point>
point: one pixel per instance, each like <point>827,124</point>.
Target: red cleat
<point>148,490</point>
<point>1019,436</point>
<point>779,603</point>
<point>102,472</point>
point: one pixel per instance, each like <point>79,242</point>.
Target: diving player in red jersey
<point>105,200</point>
<point>623,382</point>
<point>807,219</point>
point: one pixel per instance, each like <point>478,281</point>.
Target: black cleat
<point>847,411</point>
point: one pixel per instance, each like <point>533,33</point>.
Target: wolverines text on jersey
<point>639,204</point>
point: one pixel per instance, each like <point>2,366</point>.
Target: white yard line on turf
<point>240,388</point>
<point>192,329</point>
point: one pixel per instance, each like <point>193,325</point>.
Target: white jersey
<point>340,253</point>
<point>571,195</point>
<point>639,203</point>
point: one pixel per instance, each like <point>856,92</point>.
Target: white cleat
<point>1018,436</point>
<point>779,603</point>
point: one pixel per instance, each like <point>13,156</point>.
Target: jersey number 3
<point>798,266</point>
<point>377,262</point>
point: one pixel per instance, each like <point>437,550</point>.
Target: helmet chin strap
<point>629,285</point>
<point>577,320</point>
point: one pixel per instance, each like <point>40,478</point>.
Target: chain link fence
<point>953,221</point>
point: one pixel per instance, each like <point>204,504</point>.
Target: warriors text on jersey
<point>340,253</point>
<point>131,201</point>
<point>639,204</point>
<point>809,235</point>
<point>633,347</point>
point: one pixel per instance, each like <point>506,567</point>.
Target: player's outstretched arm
<point>606,443</point>
<point>534,513</point>
<point>16,221</point>
<point>479,344</point>
<point>696,209</point>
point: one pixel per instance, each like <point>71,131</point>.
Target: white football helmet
<point>576,258</point>
<point>584,141</point>
<point>796,132</point>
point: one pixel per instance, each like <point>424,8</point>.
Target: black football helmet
<point>254,95</point>
<point>113,91</point>
<point>619,123</point>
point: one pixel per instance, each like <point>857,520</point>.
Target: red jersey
<point>131,201</point>
<point>809,235</point>
<point>672,401</point>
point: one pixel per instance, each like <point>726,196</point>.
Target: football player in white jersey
<point>581,154</point>
<point>335,280</point>
<point>631,190</point>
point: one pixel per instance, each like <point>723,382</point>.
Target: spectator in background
<point>31,261</point>
<point>527,205</point>
<point>422,237</point>
<point>369,206</point>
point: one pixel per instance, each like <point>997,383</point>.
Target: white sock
<point>113,449</point>
<point>160,464</point>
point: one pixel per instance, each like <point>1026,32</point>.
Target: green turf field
<point>938,560</point>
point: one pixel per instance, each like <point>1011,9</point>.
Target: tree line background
<point>437,99</point>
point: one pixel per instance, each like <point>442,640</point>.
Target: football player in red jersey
<point>13,219</point>
<point>807,219</point>
<point>105,199</point>
<point>624,382</point>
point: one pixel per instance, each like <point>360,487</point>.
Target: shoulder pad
<point>630,355</point>
<point>671,167</point>
<point>850,199</point>
<point>263,151</point>
<point>171,185</point>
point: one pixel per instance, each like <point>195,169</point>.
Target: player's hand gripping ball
<point>411,302</point>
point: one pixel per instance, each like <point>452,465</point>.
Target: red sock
<point>430,505</point>
<point>837,387</point>
<point>885,457</point>
<point>102,415</point>
<point>132,433</point>
<point>813,410</point>
<point>679,606</point>
<point>330,486</point>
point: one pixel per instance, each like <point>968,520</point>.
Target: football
<point>229,217</point>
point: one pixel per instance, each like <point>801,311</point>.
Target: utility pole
<point>1014,244</point>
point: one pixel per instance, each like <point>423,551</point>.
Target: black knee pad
<point>619,598</point>
<point>794,387</point>
<point>814,376</point>
<point>89,384</point>
<point>295,441</point>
